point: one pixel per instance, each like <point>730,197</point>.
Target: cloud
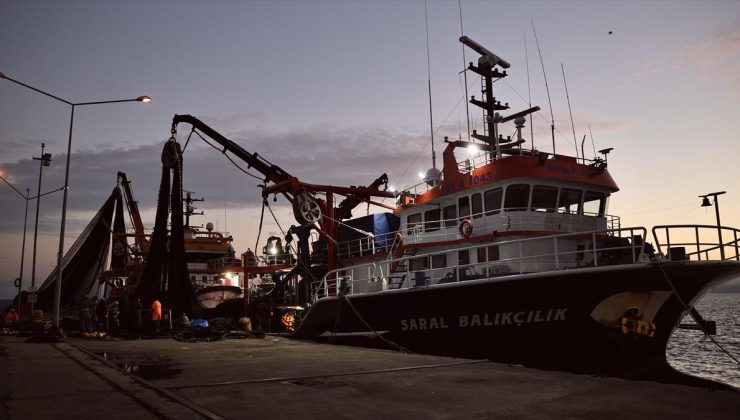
<point>716,56</point>
<point>320,154</point>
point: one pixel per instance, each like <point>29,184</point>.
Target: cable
<point>439,127</point>
<point>13,187</point>
<point>227,156</point>
<point>701,325</point>
<point>377,334</point>
<point>259,231</point>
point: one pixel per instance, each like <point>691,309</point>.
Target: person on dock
<point>84,310</point>
<point>135,317</point>
<point>101,313</point>
<point>94,314</point>
<point>11,317</point>
<point>113,316</point>
<point>156,315</point>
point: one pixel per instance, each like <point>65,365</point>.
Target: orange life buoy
<point>466,228</point>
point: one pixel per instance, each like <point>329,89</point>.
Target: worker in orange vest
<point>11,317</point>
<point>156,315</point>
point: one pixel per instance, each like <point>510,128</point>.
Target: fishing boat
<point>215,272</point>
<point>509,253</point>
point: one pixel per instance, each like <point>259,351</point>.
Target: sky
<point>335,92</point>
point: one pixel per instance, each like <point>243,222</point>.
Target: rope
<point>687,309</point>
<point>259,231</point>
<point>385,340</point>
<point>227,156</point>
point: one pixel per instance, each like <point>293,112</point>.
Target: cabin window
<point>412,221</point>
<point>544,198</point>
<point>492,198</point>
<point>463,207</point>
<point>418,264</point>
<point>431,220</point>
<point>439,261</point>
<point>476,203</point>
<point>192,278</point>
<point>205,278</point>
<point>449,213</point>
<point>489,253</point>
<point>593,203</point>
<point>517,197</point>
<point>570,201</point>
<point>463,257</point>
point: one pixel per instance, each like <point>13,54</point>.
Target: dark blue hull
<point>613,320</point>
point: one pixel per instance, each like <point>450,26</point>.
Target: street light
<point>44,160</point>
<point>60,254</point>
<point>27,197</point>
<point>705,203</point>
<point>19,280</point>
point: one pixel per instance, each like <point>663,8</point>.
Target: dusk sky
<point>336,92</point>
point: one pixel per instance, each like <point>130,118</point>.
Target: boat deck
<point>280,378</point>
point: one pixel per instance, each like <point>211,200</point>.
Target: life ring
<point>466,228</point>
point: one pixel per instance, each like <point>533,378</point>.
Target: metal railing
<point>697,242</point>
<point>483,222</point>
<point>519,256</point>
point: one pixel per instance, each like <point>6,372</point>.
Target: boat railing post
<point>696,237</point>
<point>593,248</point>
<point>521,258</point>
<point>557,260</point>
<point>737,250</point>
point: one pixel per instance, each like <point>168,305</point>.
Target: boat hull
<point>570,320</point>
<point>212,296</point>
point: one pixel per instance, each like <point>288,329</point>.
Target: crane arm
<point>272,173</point>
<point>133,210</point>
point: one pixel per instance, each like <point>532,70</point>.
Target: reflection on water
<point>692,352</point>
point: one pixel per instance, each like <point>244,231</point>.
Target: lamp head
<point>144,99</point>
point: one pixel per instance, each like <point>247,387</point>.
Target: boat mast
<point>486,69</point>
<point>429,84</point>
<point>189,208</point>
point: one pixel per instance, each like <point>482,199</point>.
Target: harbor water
<point>690,351</point>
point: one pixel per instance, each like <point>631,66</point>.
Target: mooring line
<point>331,375</point>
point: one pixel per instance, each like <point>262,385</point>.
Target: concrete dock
<point>281,378</point>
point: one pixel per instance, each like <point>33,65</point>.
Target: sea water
<point>692,352</point>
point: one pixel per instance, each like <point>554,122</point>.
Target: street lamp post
<point>60,253</point>
<point>23,255</point>
<point>19,280</point>
<point>44,160</point>
<point>705,203</point>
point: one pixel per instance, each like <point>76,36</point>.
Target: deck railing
<point>483,223</point>
<point>563,251</point>
<point>697,242</point>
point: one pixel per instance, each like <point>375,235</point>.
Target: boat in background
<point>215,273</point>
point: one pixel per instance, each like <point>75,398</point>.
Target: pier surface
<point>281,378</point>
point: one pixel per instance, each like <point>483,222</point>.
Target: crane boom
<point>272,173</point>
<point>140,238</point>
